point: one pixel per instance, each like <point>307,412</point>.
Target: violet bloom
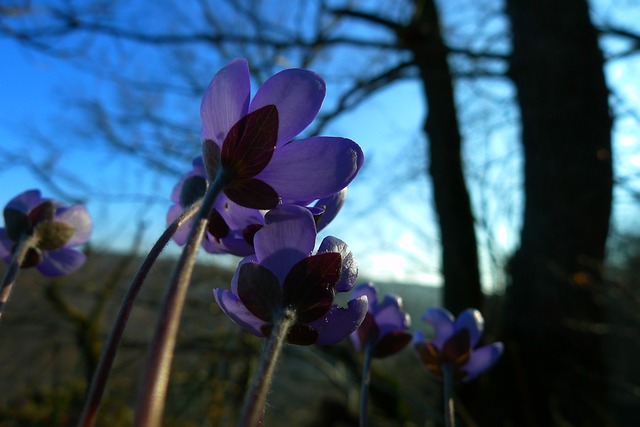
<point>252,141</point>
<point>283,276</point>
<point>384,328</point>
<point>231,227</point>
<point>56,230</point>
<point>455,344</point>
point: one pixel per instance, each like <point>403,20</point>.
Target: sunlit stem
<point>364,387</point>
<point>256,397</point>
<point>449,409</point>
<point>155,380</point>
<point>12,273</point>
<point>99,380</point>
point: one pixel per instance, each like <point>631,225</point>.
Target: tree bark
<point>554,370</point>
<point>460,269</point>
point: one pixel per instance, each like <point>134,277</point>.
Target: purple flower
<point>455,344</point>
<point>56,230</point>
<point>385,325</point>
<point>284,276</point>
<point>231,227</point>
<point>252,141</point>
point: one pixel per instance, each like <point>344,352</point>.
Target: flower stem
<point>150,406</point>
<point>12,273</point>
<point>364,388</point>
<point>254,403</point>
<point>101,375</point>
<point>449,409</point>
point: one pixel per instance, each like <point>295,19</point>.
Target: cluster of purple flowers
<point>273,193</point>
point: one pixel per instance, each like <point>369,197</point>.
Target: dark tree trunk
<point>554,369</point>
<point>457,234</point>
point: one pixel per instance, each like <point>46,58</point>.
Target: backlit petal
<point>60,262</point>
<point>340,322</point>
<point>297,94</point>
<point>233,307</point>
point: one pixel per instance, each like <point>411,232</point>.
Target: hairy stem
<point>254,403</point>
<point>12,273</point>
<point>155,381</point>
<point>364,388</point>
<point>449,409</point>
<point>101,375</point>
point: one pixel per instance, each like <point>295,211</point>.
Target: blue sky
<point>387,221</point>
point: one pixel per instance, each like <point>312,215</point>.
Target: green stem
<point>364,388</point>
<point>101,375</point>
<point>155,381</point>
<point>254,403</point>
<point>449,409</point>
<point>12,273</point>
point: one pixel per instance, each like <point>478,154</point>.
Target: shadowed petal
<point>331,206</point>
<point>297,94</point>
<point>77,217</point>
<point>442,322</point>
<point>226,100</point>
<point>24,202</point>
<point>340,322</point>
<point>310,286</point>
<point>369,290</point>
<point>60,262</point>
<point>233,307</point>
<point>259,291</point>
<point>472,320</point>
<point>252,193</point>
<point>349,271</point>
<point>234,279</point>
<point>6,245</point>
<point>312,168</point>
<point>482,359</point>
<point>288,238</point>
<point>391,343</point>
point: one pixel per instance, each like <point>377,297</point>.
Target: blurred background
<point>502,173</point>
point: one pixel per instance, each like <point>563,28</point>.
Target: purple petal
<point>234,279</point>
<point>390,316</point>
<point>331,206</point>
<point>180,236</point>
<point>236,311</point>
<point>252,193</point>
<point>226,100</point>
<point>340,322</point>
<point>472,320</point>
<point>442,322</point>
<point>482,359</point>
<point>349,272</point>
<point>369,290</point>
<point>288,237</point>
<point>24,202</point>
<point>60,262</point>
<point>297,94</point>
<point>312,168</point>
<point>77,217</point>
<point>6,245</point>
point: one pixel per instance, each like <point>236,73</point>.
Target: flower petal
<point>6,246</point>
<point>60,262</point>
<point>259,291</point>
<point>312,168</point>
<point>442,322</point>
<point>340,322</point>
<point>472,320</point>
<point>482,359</point>
<point>331,206</point>
<point>236,311</point>
<point>349,271</point>
<point>369,290</point>
<point>297,94</point>
<point>77,217</point>
<point>24,202</point>
<point>390,316</point>
<point>391,343</point>
<point>287,238</point>
<point>225,100</point>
